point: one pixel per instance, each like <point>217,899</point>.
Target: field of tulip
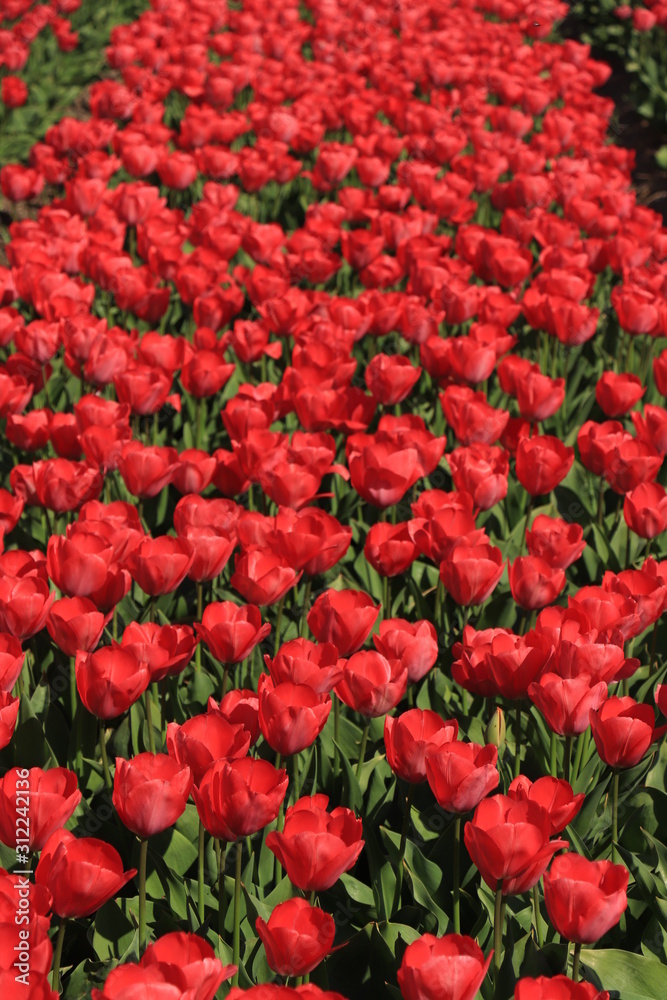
<point>333,519</point>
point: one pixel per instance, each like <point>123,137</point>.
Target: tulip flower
<point>452,967</point>
<point>296,937</point>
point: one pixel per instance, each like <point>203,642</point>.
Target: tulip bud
<point>496,730</point>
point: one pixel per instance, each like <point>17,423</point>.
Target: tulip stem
<point>72,688</point>
<point>457,875</point>
<point>295,775</point>
<point>225,680</point>
<point>654,639</point>
<point>614,817</point>
<point>303,624</point>
<point>336,715</point>
<point>517,740</point>
<point>575,962</point>
<point>105,759</point>
<point>362,746</point>
<point>200,612</point>
<point>567,758</point>
<point>498,921</point>
<point>401,850</point>
<point>143,855</point>
<point>236,940</point>
<point>57,955</point>
<point>200,422</point>
<point>577,757</point>
<point>601,502</point>
<point>553,755</point>
<point>281,605</point>
<point>538,917</point>
<point>222,849</point>
<point>149,720</point>
<point>200,874</point>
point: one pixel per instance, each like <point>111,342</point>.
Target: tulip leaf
<point>633,976</point>
<point>114,929</point>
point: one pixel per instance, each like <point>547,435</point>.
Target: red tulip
<point>559,543</point>
<point>159,565</point>
<point>262,577</point>
<point>472,572</point>
<point>9,710</point>
<point>297,936</point>
<point>343,617</point>
<point>617,394</point>
<point>167,649</point>
<point>110,680</point>
<point>176,965</point>
<point>584,899</point>
<point>480,470</point>
<point>304,662</point>
<point>371,684</point>
<point>389,548</point>
<point>82,874</point>
<point>452,967</point>
<point>623,731</point>
<point>74,623</point>
<point>291,716</point>
<point>11,662</point>
<point>204,739</point>
<point>316,847</point>
<point>231,631</point>
<point>554,794</point>
<point>534,582</point>
<point>542,462</point>
<point>460,775</point>
<point>51,797</point>
<point>566,702</point>
<point>237,798</point>
<point>509,843</point>
<point>645,509</point>
<point>498,663</point>
<point>558,987</point>
<point>150,792</point>
<point>409,737</point>
<point>415,644</point>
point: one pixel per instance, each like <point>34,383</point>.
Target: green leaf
<point>634,977</point>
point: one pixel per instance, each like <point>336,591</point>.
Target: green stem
<point>57,956</point>
<point>149,720</point>
<point>517,740</point>
<point>236,939</point>
<point>575,962</point>
<point>200,422</point>
<point>578,755</point>
<point>305,607</point>
<point>601,491</point>
<point>200,611</point>
<point>457,875</point>
<point>222,902</point>
<point>336,760</point>
<point>72,688</point>
<point>200,873</point>
<point>281,605</point>
<point>538,917</point>
<point>362,746</point>
<point>498,920</point>
<point>614,818</point>
<point>143,855</point>
<point>105,760</point>
<point>553,756</point>
<point>225,680</point>
<point>401,851</point>
<point>295,775</point>
<point>567,758</point>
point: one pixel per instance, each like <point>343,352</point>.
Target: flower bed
<point>331,638</point>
